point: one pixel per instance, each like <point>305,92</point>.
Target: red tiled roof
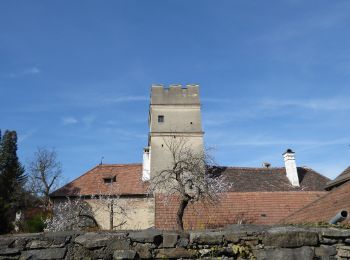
<point>242,179</point>
<point>245,179</point>
<point>128,181</point>
<point>325,207</point>
<point>251,207</point>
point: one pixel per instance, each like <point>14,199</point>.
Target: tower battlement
<point>175,94</point>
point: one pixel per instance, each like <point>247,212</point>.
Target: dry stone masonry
<point>233,242</point>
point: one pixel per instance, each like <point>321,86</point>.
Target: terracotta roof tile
<point>324,208</point>
<point>128,181</point>
<point>264,208</point>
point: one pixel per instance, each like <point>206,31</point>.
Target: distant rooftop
<point>250,179</point>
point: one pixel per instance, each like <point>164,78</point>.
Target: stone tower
<point>174,112</point>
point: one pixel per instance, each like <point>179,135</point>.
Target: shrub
<point>34,224</point>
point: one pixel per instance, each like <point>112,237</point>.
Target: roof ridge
<point>118,164</point>
<point>248,167</point>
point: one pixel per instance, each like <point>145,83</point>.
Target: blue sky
<point>76,76</point>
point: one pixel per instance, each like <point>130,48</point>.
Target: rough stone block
<point>6,242</point>
<point>124,254</point>
<point>37,244</point>
<point>119,244</point>
<point>305,253</point>
<point>247,229</point>
<point>147,236</point>
<point>76,251</point>
<point>51,253</point>
<point>183,242</point>
<point>178,252</point>
<point>343,251</point>
<point>209,238</point>
<point>96,240</point>
<point>144,250</point>
<point>290,237</point>
<point>9,251</point>
<point>335,233</point>
<point>324,250</point>
<point>328,241</point>
<point>233,237</point>
<point>170,239</point>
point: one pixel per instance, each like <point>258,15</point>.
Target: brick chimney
<point>291,167</point>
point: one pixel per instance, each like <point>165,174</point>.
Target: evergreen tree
<point>12,179</point>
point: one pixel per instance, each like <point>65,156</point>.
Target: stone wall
<point>233,242</point>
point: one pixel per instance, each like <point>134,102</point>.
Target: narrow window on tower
<point>160,119</point>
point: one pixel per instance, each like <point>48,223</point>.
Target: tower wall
<point>175,112</point>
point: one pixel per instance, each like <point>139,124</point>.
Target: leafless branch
<point>188,176</point>
<point>44,174</point>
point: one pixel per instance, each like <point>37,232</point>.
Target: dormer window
<point>160,119</point>
<point>109,180</point>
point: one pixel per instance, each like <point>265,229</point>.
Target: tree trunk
<point>180,213</point>
<point>111,215</point>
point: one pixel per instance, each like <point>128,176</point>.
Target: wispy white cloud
<point>215,100</point>
<point>25,72</point>
<point>334,103</point>
<point>33,70</point>
<point>124,133</point>
<point>88,120</point>
<point>308,24</point>
<point>69,120</point>
<point>93,99</point>
<point>263,140</point>
<point>306,110</point>
<point>121,99</point>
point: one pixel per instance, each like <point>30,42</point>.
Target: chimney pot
<point>266,164</point>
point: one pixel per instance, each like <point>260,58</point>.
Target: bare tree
<point>109,201</point>
<point>188,176</point>
<point>44,174</point>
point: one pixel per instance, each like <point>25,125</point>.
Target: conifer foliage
<point>12,179</point>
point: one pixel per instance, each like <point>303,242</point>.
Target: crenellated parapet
<point>175,94</point>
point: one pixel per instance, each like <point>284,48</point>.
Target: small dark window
<point>191,123</point>
<point>161,119</point>
<point>110,179</point>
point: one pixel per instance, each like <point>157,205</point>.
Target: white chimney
<point>291,167</point>
<point>146,164</point>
